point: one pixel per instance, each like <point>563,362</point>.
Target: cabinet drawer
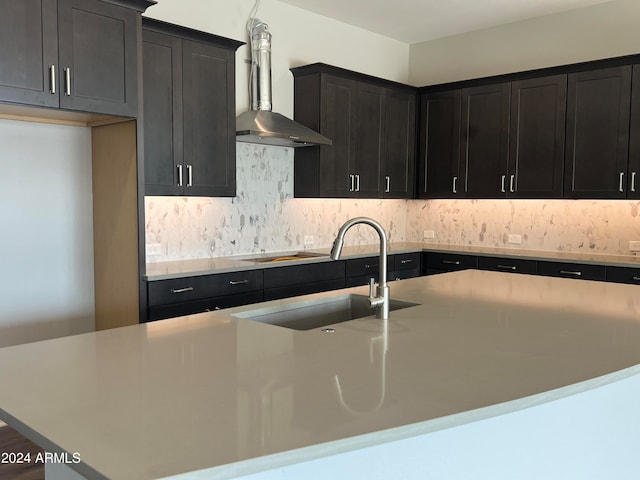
<point>303,289</point>
<point>406,273</point>
<point>357,267</point>
<point>178,310</point>
<point>572,270</point>
<point>406,261</point>
<point>512,265</point>
<point>623,275</point>
<point>451,261</point>
<point>299,274</point>
<point>236,300</point>
<point>176,290</point>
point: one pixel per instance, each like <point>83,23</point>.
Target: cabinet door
<point>336,120</point>
<point>98,57</point>
<point>29,52</point>
<point>633,184</point>
<point>368,131</point>
<point>399,144</point>
<point>439,159</point>
<point>485,139</point>
<point>162,89</point>
<point>598,104</point>
<point>209,115</point>
<point>536,156</point>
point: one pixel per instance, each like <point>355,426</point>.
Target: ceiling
<point>414,21</point>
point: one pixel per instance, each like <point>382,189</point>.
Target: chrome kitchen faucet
<point>381,301</point>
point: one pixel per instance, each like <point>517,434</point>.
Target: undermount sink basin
<point>284,258</point>
<point>305,315</point>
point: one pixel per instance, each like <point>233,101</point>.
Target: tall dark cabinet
<point>371,123</point>
<point>633,172</point>
<point>189,111</point>
<point>439,168</point>
<point>536,144</point>
<point>484,139</point>
<point>597,135</point>
<point>72,54</point>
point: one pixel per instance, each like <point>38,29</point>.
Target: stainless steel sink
<point>305,315</point>
<point>286,257</point>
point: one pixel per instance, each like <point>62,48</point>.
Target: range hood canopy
<point>260,124</point>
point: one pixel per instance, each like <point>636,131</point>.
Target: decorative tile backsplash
<point>264,217</point>
<point>597,226</point>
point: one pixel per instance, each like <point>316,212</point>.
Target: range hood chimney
<point>260,124</point>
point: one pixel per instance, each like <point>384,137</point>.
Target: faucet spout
<point>381,301</point>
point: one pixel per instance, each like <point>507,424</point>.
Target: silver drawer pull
<point>352,179</point>
<point>409,260</point>
<point>189,176</point>
<point>637,279</point>
<point>633,181</point>
<point>621,185</point>
<point>502,184</point>
<point>455,184</point>
<point>67,81</point>
<point>179,175</point>
<point>511,186</point>
<point>388,184</point>
<point>238,282</point>
<point>507,267</point>
<point>571,272</point>
<point>52,79</point>
<point>451,262</point>
<point>182,290</point>
<point>371,265</point>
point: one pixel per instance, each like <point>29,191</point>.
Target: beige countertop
<point>205,266</point>
<point>215,391</point>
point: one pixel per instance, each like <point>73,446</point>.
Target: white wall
<point>299,38</point>
<point>46,244</point>
<point>601,31</point>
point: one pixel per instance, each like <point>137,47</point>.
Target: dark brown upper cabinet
<point>536,145</point>
<point>399,144</point>
<point>371,123</point>
<point>76,55</point>
<point>484,140</point>
<point>597,135</point>
<point>633,172</point>
<point>189,111</point>
<point>439,173</point>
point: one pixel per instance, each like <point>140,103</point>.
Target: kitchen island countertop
<point>235,396</point>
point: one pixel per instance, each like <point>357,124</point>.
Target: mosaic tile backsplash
<point>264,217</point>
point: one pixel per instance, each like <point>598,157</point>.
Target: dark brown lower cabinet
<point>509,265</point>
<point>572,270</point>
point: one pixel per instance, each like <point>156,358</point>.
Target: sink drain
<point>329,330</point>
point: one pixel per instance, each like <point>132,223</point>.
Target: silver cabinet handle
<point>182,290</point>
<point>179,175</point>
<point>371,265</point>
<point>388,187</point>
<point>408,260</point>
<point>67,81</point>
<point>352,177</point>
<point>238,282</point>
<point>502,183</point>
<point>451,262</point>
<point>571,272</point>
<point>637,279</point>
<point>621,186</point>
<point>507,267</point>
<point>52,79</point>
<point>189,176</point>
<point>455,184</point>
<point>357,182</point>
<point>633,181</point>
<point>511,180</point>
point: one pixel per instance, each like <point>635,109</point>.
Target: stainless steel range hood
<point>260,124</point>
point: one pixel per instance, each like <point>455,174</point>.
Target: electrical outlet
<point>634,246</point>
<point>514,239</point>
<point>308,240</point>
<point>152,249</point>
<point>428,234</point>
